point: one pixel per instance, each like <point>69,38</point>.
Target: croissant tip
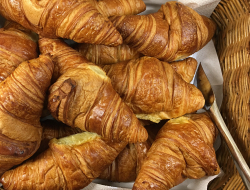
<point>142,136</point>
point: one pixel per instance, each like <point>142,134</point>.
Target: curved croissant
<point>17,44</point>
<point>186,68</point>
<point>183,149</point>
<point>119,7</point>
<point>21,104</point>
<point>127,164</point>
<point>153,90</point>
<point>72,19</point>
<point>83,97</point>
<point>106,55</point>
<point>63,55</point>
<point>174,32</point>
<point>70,163</point>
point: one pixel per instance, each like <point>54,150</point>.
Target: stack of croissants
<point>114,88</point>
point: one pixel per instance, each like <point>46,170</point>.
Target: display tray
<point>209,59</point>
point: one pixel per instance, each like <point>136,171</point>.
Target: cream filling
<point>77,139</point>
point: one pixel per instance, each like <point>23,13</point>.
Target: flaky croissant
<point>124,168</point>
<point>153,90</point>
<point>17,44</point>
<point>70,163</point>
<point>127,164</point>
<point>119,7</point>
<point>83,97</point>
<point>106,55</point>
<point>72,19</point>
<point>183,149</point>
<point>174,32</point>
<point>63,55</point>
<point>21,104</point>
<point>186,68</point>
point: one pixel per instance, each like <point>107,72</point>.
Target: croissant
<point>183,149</point>
<point>21,104</point>
<point>63,55</point>
<point>119,7</point>
<point>72,19</point>
<point>83,97</point>
<point>127,164</point>
<point>17,44</point>
<point>153,90</point>
<point>70,163</point>
<point>186,68</point>
<point>174,32</point>
<point>106,55</point>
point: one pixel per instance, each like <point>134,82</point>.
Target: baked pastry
<point>127,164</point>
<point>102,55</point>
<point>63,55</point>
<point>183,149</point>
<point>21,105</point>
<point>186,68</point>
<point>83,97</point>
<point>153,90</point>
<point>72,19</point>
<point>119,7</point>
<point>17,45</point>
<point>70,163</point>
<point>106,55</point>
<point>173,33</point>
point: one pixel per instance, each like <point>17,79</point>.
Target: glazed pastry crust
<point>153,90</point>
<point>70,163</point>
<point>83,97</point>
<point>77,20</point>
<point>173,33</point>
<point>183,149</point>
<point>17,45</point>
<point>21,104</point>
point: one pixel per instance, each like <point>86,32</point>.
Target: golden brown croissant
<point>186,68</point>
<point>21,104</point>
<point>127,164</point>
<point>174,32</point>
<point>17,44</point>
<point>72,19</point>
<point>106,55</point>
<point>71,163</point>
<point>119,7</point>
<point>183,149</point>
<point>83,97</point>
<point>63,55</point>
<point>153,90</point>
